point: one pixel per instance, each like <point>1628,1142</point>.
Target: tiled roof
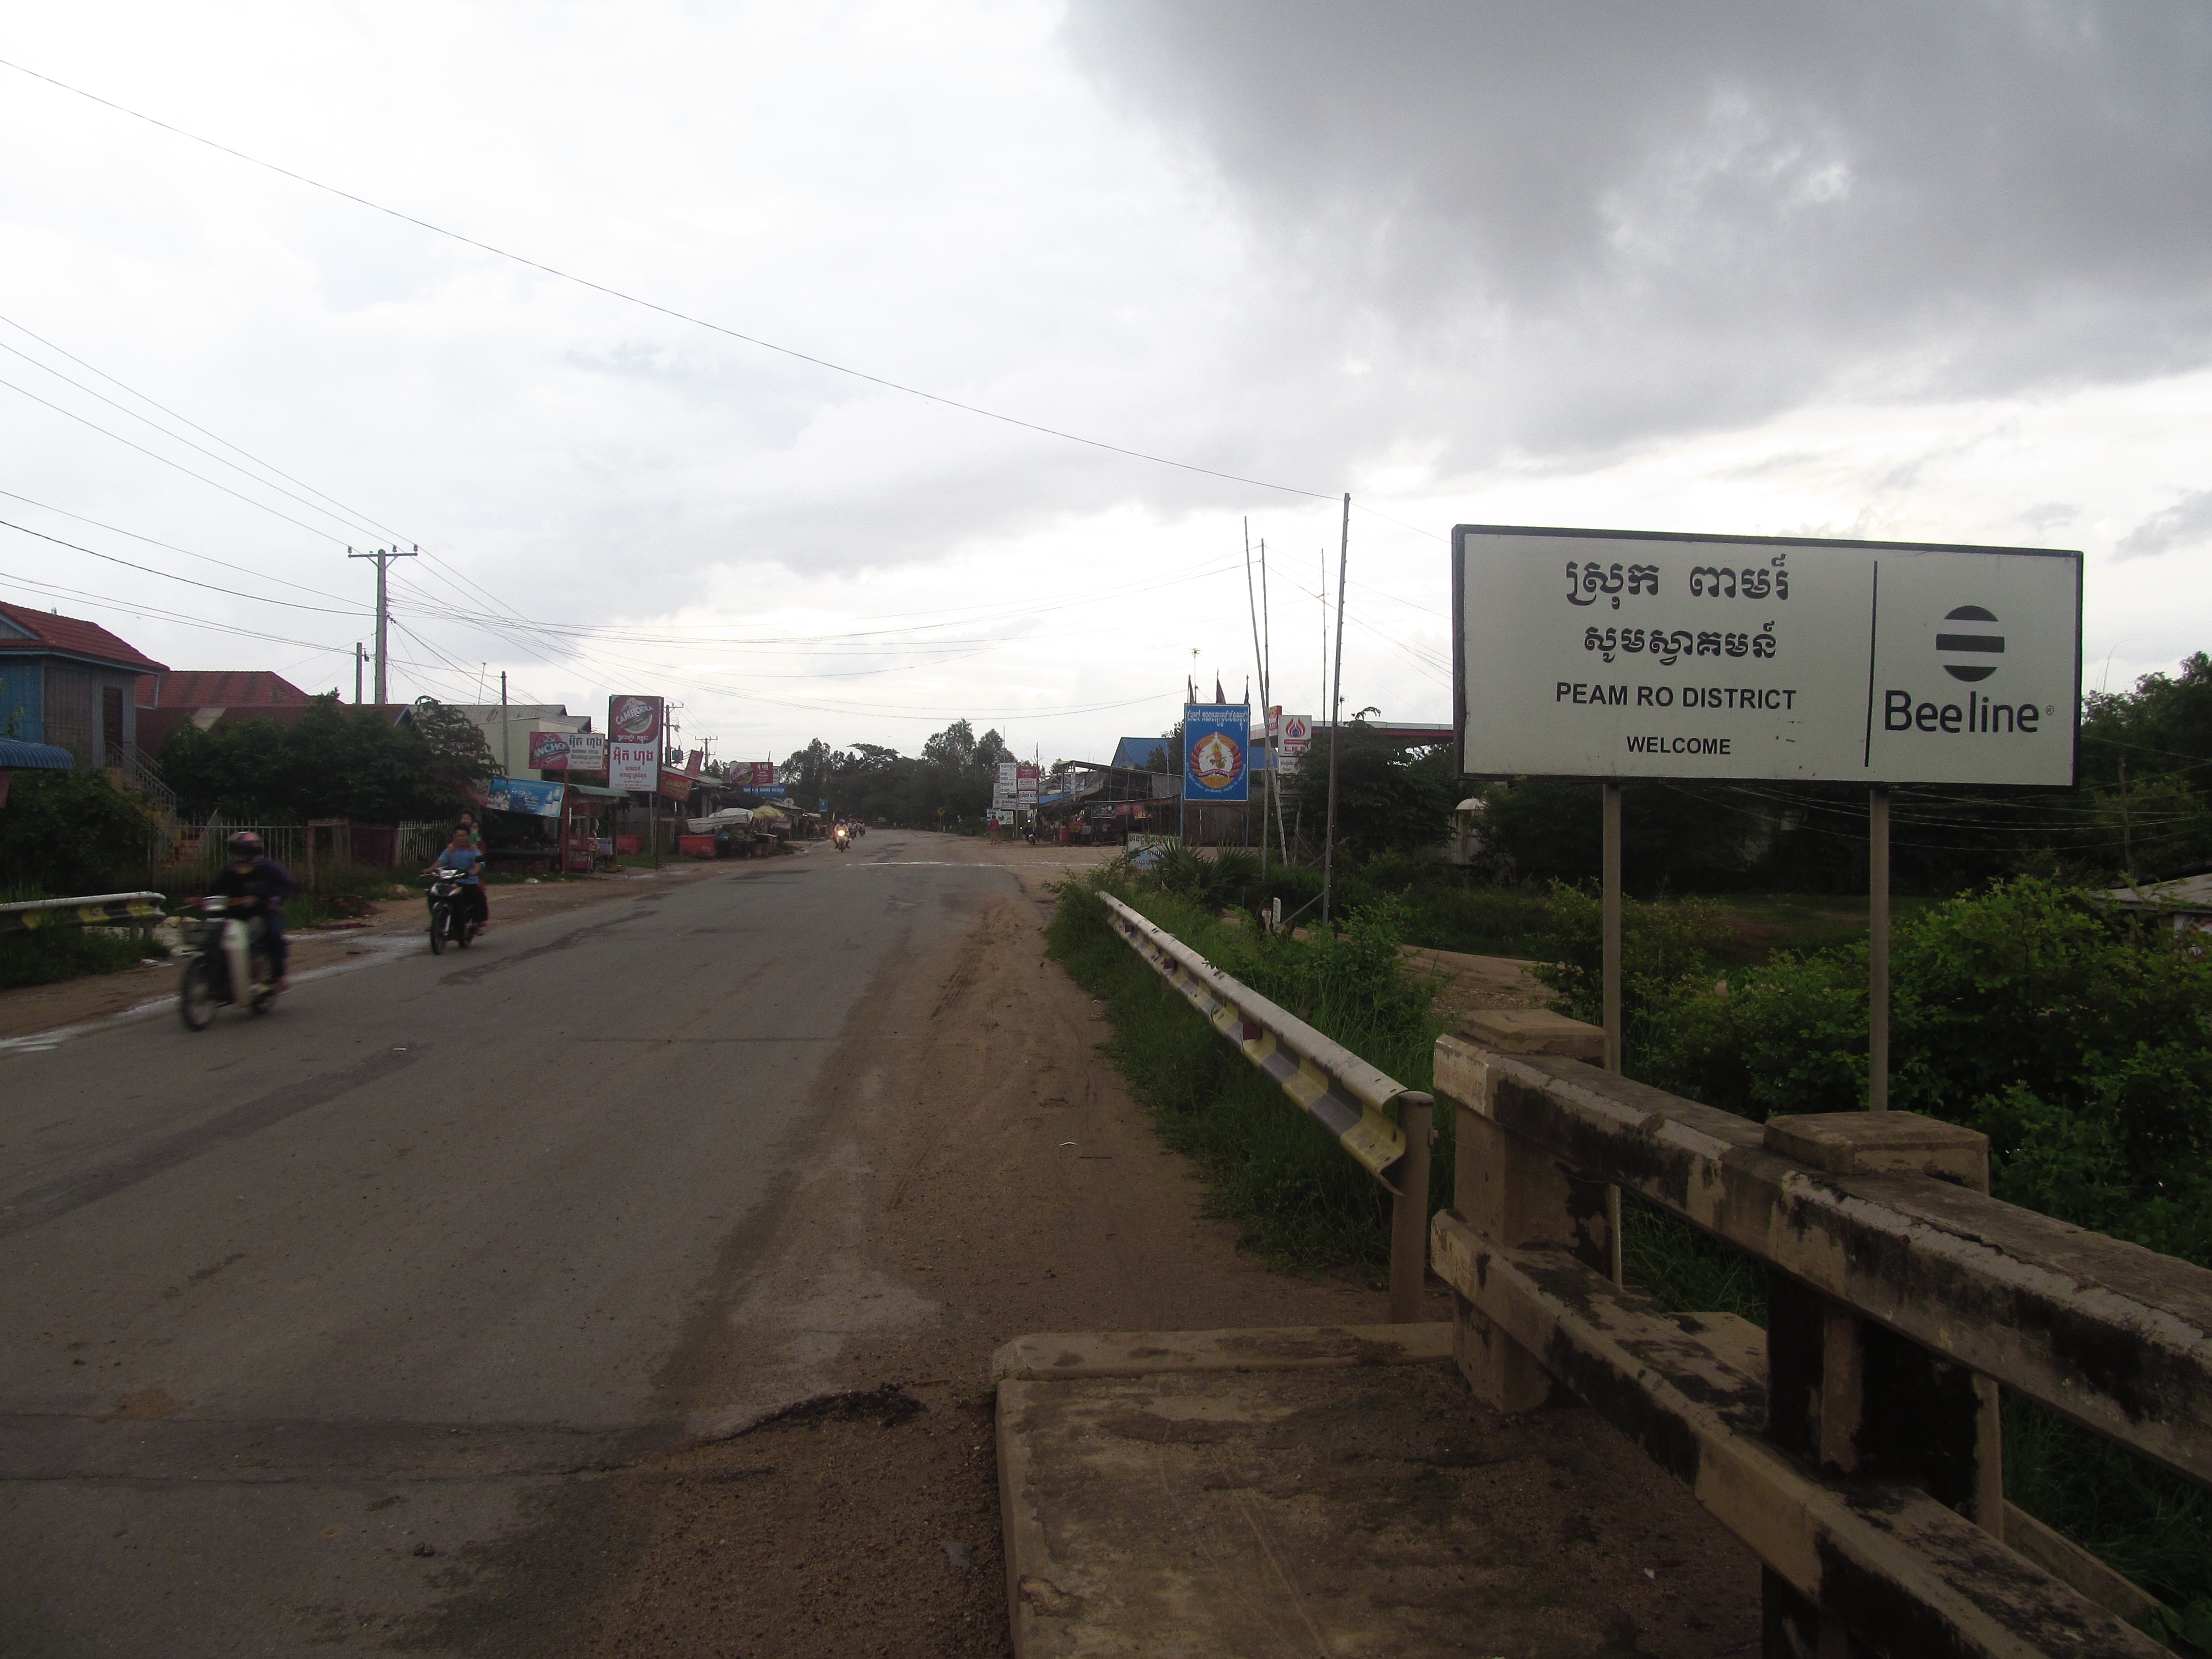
<point>194,688</point>
<point>77,637</point>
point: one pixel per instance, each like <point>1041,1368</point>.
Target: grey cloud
<point>2188,520</point>
<point>1629,220</point>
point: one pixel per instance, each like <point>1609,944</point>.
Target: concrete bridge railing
<point>1853,1445</point>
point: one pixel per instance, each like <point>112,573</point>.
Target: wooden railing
<point>1853,1445</point>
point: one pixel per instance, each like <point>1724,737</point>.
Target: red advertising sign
<point>634,720</point>
<point>676,786</point>
<point>763,772</point>
<point>548,751</point>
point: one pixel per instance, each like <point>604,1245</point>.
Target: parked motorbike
<point>452,912</point>
<point>224,952</point>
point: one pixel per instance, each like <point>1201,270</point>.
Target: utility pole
<point>384,556</point>
<point>358,654</point>
<point>506,742</point>
<point>1335,709</point>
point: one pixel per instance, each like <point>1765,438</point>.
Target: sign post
<point>1612,655</point>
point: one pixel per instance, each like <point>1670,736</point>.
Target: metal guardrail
<point>1340,1091</point>
<point>1854,1444</point>
<point>94,910</point>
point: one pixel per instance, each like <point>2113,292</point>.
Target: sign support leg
<point>1878,949</point>
<point>1610,927</point>
<point>1615,1044</point>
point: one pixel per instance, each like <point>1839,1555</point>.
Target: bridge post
<point>1514,1193</point>
<point>1848,1396</point>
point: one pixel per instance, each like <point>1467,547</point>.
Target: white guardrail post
<point>93,910</point>
<point>1343,1092</point>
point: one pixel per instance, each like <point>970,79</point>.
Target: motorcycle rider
<point>467,865</point>
<point>256,887</point>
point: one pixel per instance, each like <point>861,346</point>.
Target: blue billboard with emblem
<point>1216,737</point>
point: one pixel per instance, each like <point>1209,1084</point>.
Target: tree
<point>332,762</point>
<point>955,746</point>
<point>1389,798</point>
<point>458,754</point>
<point>68,833</point>
<point>991,750</point>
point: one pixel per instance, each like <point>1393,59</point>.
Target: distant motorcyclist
<point>256,886</point>
<point>466,864</point>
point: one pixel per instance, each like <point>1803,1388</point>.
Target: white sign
<point>1621,654</point>
<point>633,766</point>
<point>1025,785</point>
<point>587,751</point>
<point>1296,733</point>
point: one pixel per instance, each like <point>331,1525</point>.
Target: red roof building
<point>70,683</point>
<point>221,688</point>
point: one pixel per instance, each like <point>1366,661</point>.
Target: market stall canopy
<point>771,814</point>
<point>730,817</point>
<point>596,793</point>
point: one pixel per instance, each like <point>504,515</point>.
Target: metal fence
<point>1330,1083</point>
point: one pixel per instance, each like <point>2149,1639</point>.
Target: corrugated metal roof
<point>15,752</point>
<point>71,634</point>
<point>219,688</point>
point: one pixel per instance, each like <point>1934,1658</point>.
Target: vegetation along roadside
<point>2076,1041</point>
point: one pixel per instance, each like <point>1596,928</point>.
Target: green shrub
<point>63,834</point>
<point>1271,1169</point>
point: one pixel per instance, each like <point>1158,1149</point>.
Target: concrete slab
<point>1061,1355</point>
<point>1362,1507</point>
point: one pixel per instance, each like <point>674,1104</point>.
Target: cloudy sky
<point>1926,272</point>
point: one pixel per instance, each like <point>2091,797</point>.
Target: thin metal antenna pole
<point>1267,695</point>
<point>1335,709</point>
<point>1878,949</point>
<point>1260,661</point>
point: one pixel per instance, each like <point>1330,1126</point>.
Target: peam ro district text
<point>1668,696</point>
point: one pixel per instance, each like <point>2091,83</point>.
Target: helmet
<point>244,845</point>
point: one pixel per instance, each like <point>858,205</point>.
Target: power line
<point>118,530</point>
<point>669,311</point>
<point>166,461</point>
<point>147,569</point>
<point>195,426</point>
<point>220,461</point>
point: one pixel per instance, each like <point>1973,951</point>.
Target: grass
<point>1299,1201</point>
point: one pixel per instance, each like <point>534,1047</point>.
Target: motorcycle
<point>225,952</point>
<point>844,838</point>
<point>452,912</point>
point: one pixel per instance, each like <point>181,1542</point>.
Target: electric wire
<point>669,311</point>
<point>147,569</point>
<point>118,530</point>
<point>266,467</point>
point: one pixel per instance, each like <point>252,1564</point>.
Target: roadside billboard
<point>1214,739</point>
<point>633,766</point>
<point>1025,785</point>
<point>526,795</point>
<point>634,720</point>
<point>1626,654</point>
<point>1005,781</point>
<point>761,775</point>
<point>587,751</point>
<point>548,751</point>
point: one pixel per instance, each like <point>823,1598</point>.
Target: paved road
<point>305,1316</point>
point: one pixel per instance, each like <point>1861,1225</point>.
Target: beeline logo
<point>1964,656</point>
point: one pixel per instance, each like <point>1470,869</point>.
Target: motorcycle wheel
<point>465,932</point>
<point>437,929</point>
<point>195,1001</point>
<point>263,1000</point>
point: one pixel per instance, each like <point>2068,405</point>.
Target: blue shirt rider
<point>466,865</point>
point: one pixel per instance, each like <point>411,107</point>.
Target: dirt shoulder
<point>984,1175</point>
